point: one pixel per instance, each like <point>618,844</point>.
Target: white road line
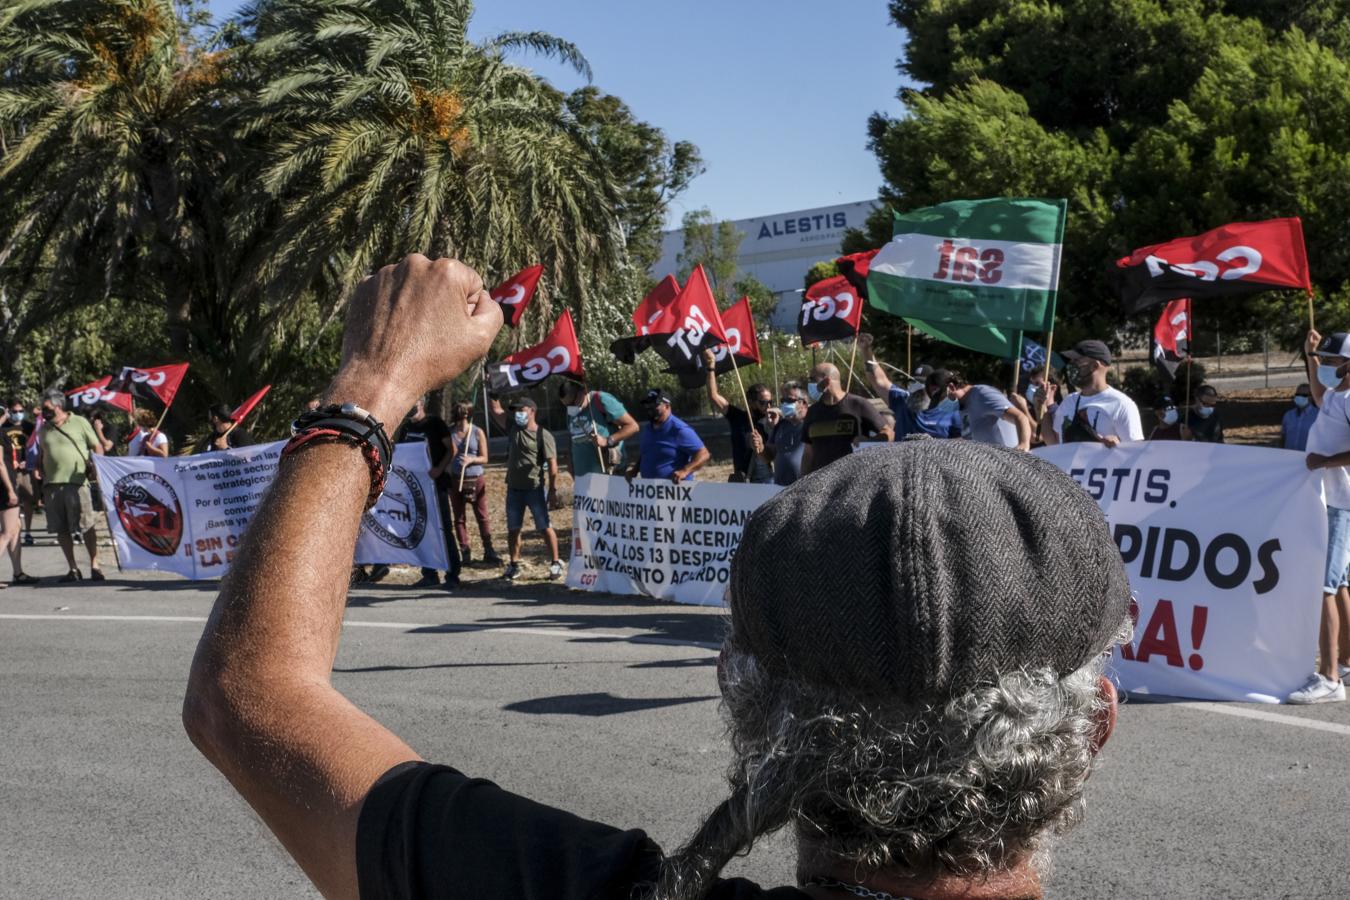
<point>1243,712</point>
<point>400,626</point>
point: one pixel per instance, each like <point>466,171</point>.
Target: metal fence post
<point>1265,345</point>
<point>1218,345</point>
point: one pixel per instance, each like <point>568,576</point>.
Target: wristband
<point>346,424</point>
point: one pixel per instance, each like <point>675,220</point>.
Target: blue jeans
<point>519,498</point>
<point>1338,549</point>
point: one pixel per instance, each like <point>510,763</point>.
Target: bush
<point>1147,385</point>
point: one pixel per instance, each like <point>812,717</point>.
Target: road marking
<point>1243,712</point>
<point>402,626</point>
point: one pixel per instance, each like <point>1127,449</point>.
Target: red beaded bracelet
<point>314,436</point>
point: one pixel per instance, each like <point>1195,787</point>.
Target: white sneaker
<point>1343,671</point>
<point>1318,690</point>
<point>555,568</point>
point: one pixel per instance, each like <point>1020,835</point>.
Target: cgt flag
<point>975,273</point>
<point>1237,259</point>
<point>648,312</point>
<point>152,383</point>
<point>243,409</point>
<point>558,354</point>
<point>95,395</point>
<point>1171,343</point>
<point>515,293</point>
<point>741,348</point>
<point>690,324</point>
<point>831,311</point>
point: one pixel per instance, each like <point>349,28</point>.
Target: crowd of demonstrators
<point>749,429</point>
<point>1328,449</point>
<point>531,480</point>
<point>1096,412</point>
<point>19,427</point>
<point>922,407</point>
<point>988,416</point>
<point>785,446</point>
<point>222,432</point>
<point>1298,421</point>
<point>599,426</point>
<point>668,449</point>
<point>68,444</point>
<point>420,427</point>
<point>836,420</point>
<point>462,472</point>
<point>147,439</point>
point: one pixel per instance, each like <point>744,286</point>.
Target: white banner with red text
<point>1225,549</point>
<point>658,539</point>
<point>186,514</point>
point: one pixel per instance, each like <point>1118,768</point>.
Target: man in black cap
<point>1097,412</point>
<point>912,676</point>
<point>667,447</point>
<point>224,434</point>
<point>531,462</point>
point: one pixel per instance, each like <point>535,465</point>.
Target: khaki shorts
<point>70,510</point>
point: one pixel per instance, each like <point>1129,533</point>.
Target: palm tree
<point>390,132</point>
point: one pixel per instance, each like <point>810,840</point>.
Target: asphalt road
<point>604,706</point>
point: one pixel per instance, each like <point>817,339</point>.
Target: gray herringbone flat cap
<point>919,570</point>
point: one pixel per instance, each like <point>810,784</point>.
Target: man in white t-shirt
<point>1098,412</point>
<point>987,416</point>
<point>1329,451</point>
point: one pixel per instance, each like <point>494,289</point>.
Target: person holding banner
<point>836,420</point>
<point>462,471</point>
<point>531,460</point>
<point>147,440</point>
<point>668,448</point>
<point>1328,361</point>
<point>599,425</point>
<point>1097,412</point>
<point>68,445</point>
<point>749,434</point>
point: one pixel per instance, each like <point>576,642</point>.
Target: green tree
<point>713,244</point>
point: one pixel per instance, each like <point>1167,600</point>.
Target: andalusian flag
<point>975,273</point>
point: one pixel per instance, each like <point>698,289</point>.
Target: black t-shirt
<point>1205,430</point>
<point>114,435</point>
<point>744,461</point>
<point>427,831</point>
<point>431,429</point>
<point>238,437</point>
<point>831,430</point>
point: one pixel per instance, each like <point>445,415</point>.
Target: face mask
<point>522,419</point>
<point>573,411</point>
<point>16,416</point>
<point>49,414</point>
<point>1300,401</point>
<point>948,405</point>
<point>1205,412</point>
<point>913,387</point>
<point>1030,393</point>
<point>1170,416</point>
<point>1326,376</point>
<point>813,391</point>
<point>788,410</point>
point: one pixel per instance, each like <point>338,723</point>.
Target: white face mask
<point>913,386</point>
<point>573,411</point>
<point>1205,411</point>
<point>1326,376</point>
<point>1170,416</point>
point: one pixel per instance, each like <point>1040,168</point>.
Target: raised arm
<point>1310,360</point>
<point>498,414</point>
<point>719,402</point>
<point>877,378</point>
<point>259,704</point>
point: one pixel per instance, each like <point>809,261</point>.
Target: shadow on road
<point>480,665</point>
<point>665,626</point>
<point>602,704</point>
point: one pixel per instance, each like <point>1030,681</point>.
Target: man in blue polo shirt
<point>667,448</point>
<point>923,408</point>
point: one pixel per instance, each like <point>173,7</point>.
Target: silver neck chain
<point>856,890</point>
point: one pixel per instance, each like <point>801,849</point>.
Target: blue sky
<point>775,94</point>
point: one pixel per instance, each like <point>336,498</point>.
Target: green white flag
<point>975,273</point>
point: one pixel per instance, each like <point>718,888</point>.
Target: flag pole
<point>861,380</point>
<point>1045,376</point>
<point>591,409</point>
<point>851,357</point>
<point>909,347</point>
<point>737,369</point>
<point>1311,325</point>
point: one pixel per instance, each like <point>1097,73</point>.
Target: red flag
<point>515,293</point>
<point>243,409</point>
<point>831,311</point>
<point>654,304</point>
<point>855,267</point>
<point>690,324</point>
<point>1172,336</point>
<point>151,383</point>
<point>1241,258</point>
<point>95,394</point>
<point>558,354</point>
<point>742,343</point>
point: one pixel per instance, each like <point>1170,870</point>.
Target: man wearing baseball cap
<point>1329,450</point>
<point>912,676</point>
<point>531,461</point>
<point>1097,412</point>
<point>667,447</point>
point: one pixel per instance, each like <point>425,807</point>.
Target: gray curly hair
<point>974,785</point>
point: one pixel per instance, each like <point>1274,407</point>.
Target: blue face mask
<point>1326,376</point>
<point>1205,412</point>
<point>813,391</point>
<point>16,417</point>
<point>788,410</point>
<point>522,419</point>
<point>1300,401</point>
<point>1170,416</point>
<point>948,405</point>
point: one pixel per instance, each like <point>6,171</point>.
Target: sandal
<point>72,575</point>
<point>23,578</point>
<point>97,575</point>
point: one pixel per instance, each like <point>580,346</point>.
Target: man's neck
<point>60,418</point>
<point>833,396</point>
<point>1021,881</point>
<point>1094,389</point>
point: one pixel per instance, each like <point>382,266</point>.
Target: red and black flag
<point>151,383</point>
<point>557,354</point>
<point>1237,259</point>
<point>831,311</point>
<point>690,325</point>
<point>515,293</point>
<point>1171,344</point>
<point>95,395</point>
<point>855,267</point>
<point>243,409</point>
<point>742,343</point>
<point>648,312</point>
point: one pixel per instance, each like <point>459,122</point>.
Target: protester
<point>419,427</point>
<point>9,511</point>
<point>984,412</point>
<point>1097,412</point>
<point>1328,361</point>
<point>147,440</point>
<point>223,433</point>
<point>1031,384</point>
<point>749,432</point>
<point>531,460</point>
<point>1168,427</point>
<point>599,425</point>
<point>19,428</point>
<point>1202,421</point>
<point>668,448</point>
<point>1297,422</point>
<point>922,407</point>
<point>785,446</point>
<point>68,445</point>
<point>109,435</point>
<point>836,420</point>
<point>462,472</point>
<point>912,748</point>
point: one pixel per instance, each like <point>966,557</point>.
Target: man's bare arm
<point>259,704</point>
<point>719,402</point>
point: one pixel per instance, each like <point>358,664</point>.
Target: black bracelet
<point>351,419</point>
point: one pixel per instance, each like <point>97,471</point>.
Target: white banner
<point>186,514</point>
<point>1225,548</point>
<point>672,541</point>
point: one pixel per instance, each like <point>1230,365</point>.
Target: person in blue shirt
<point>667,447</point>
<point>921,408</point>
<point>1297,422</point>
